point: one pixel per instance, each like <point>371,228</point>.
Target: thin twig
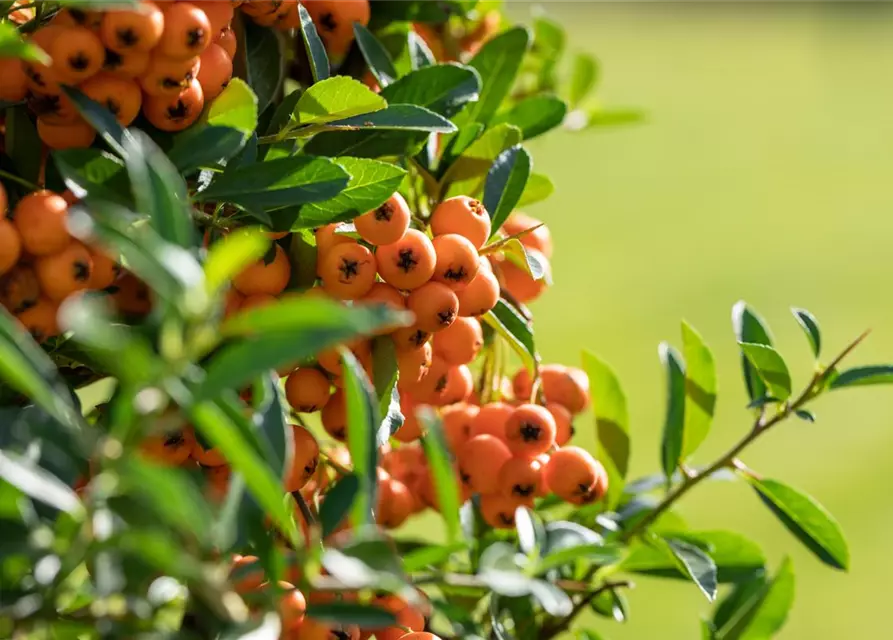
<point>14,178</point>
<point>565,622</point>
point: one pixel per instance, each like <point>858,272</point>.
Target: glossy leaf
<point>811,329</point>
<point>443,474</point>
<point>97,172</point>
<point>232,254</point>
<point>377,57</point>
<point>584,76</point>
<point>338,504</point>
<point>534,115</point>
<point>803,414</point>
<point>442,88</point>
<point>757,610</point>
<point>768,364</point>
<point>429,555</point>
<point>336,98</point>
<point>594,552</point>
<point>384,379</point>
<point>863,376</point>
<point>395,117</point>
<point>505,183</point>
<point>313,45</point>
<point>509,324</point>
<point>468,173</point>
<point>371,183</point>
<point>363,420</point>
<point>751,328</point>
<point>264,61</point>
<point>205,147</point>
<point>497,62</point>
<point>236,107</point>
<point>611,421</point>
<point>674,417</point>
<point>539,187</point>
<point>700,389</point>
<point>419,54</point>
<point>100,119</point>
<point>37,483</point>
<point>807,520</point>
<point>696,564</point>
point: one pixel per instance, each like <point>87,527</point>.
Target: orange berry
<point>105,270</point>
<point>334,416</point>
<point>54,109</point>
<point>13,81</point>
<point>187,31</point>
<point>226,40</point>
<point>575,476</point>
<point>139,29</point>
<point>480,461</point>
<point>326,238</point>
<point>265,278</point>
<point>292,604</point>
<point>411,429</point>
<point>481,294</point>
<point>334,20</point>
<point>457,419</point>
<point>10,246</point>
<point>305,461</point>
<point>126,65</point>
<point>348,271</point>
<point>409,338</point>
<point>164,77</point>
<point>457,261</point>
<point>407,263</point>
<point>40,319</point>
<point>19,289</point>
<point>521,479</point>
<point>212,457</point>
<point>413,364</point>
<point>73,17</point>
<point>40,218</point>
<point>384,225</point>
<point>464,216</point>
<point>395,504</point>
<point>407,617</point>
<point>288,17</point>
<point>61,274</point>
<point>232,303</point>
<point>311,629</point>
<point>568,386</point>
<point>530,430</point>
<point>172,448</point>
<point>564,427</point>
<point>119,95</point>
<point>435,306</point>
<point>522,385</point>
<point>383,293</point>
<point>539,239</point>
<point>77,54</point>
<point>178,112</point>
<point>218,12</point>
<point>520,284</point>
<point>432,385</point>
<point>77,135</point>
<point>132,296</point>
<point>256,301</point>
<point>40,77</point>
<point>498,511</point>
<point>307,390</point>
<point>4,202</point>
<point>491,419</point>
<point>215,72</point>
<point>461,342</point>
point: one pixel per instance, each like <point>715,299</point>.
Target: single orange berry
<point>326,238</point>
<point>105,269</point>
<point>126,65</point>
<point>539,239</point>
<point>10,246</point>
<point>348,271</point>
<point>498,511</point>
<point>383,293</point>
<point>187,31</point>
<point>178,112</point>
<point>435,306</point>
<point>461,342</point>
<point>173,448</point>
<point>481,294</point>
<point>334,19</point>
<point>564,427</point>
<point>139,29</point>
<point>409,338</point>
<point>61,274</point>
<point>409,262</point>
<point>521,479</point>
<point>491,419</point>
<point>530,430</point>
<point>215,71</point>
<point>54,109</point>
<point>520,284</point>
<point>568,386</point>
<point>13,81</point>
<point>457,419</point>
<point>77,135</point>
<point>480,461</point>
<point>39,319</point>
<point>575,476</point>
<point>395,504</point>
<point>334,416</point>
<point>307,390</point>
<point>19,289</point>
<point>457,261</point>
<point>219,13</point>
<point>464,216</point>
<point>269,278</point>
<point>40,77</point>
<point>413,364</point>
<point>305,460</point>
<point>226,40</point>
<point>407,617</point>
<point>292,604</point>
<point>386,224</point>
<point>119,95</point>
<point>256,301</point>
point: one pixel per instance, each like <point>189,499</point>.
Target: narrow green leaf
<point>96,172</point>
<point>38,483</point>
<point>371,183</point>
<point>362,429</point>
<point>100,119</point>
<point>803,414</point>
<point>384,379</point>
<point>13,46</point>
<point>697,564</point>
<point>736,609</point>
<point>205,146</point>
<point>348,613</point>
<point>442,472</point>
<point>430,555</point>
<point>337,98</point>
<point>612,423</point>
<point>395,117</point>
<point>770,367</point>
<point>419,54</point>
<point>265,63</point>
<point>864,376</point>
<point>700,389</point>
<point>338,503</point>
<point>773,611</point>
<point>674,420</point>
<point>515,329</point>
<point>584,76</point>
<point>22,144</point>
<point>235,107</point>
<point>539,187</point>
<point>807,520</point>
<point>442,88</point>
<point>377,57</point>
<point>230,255</point>
<point>750,327</point>
<point>596,553</point>
<point>468,173</point>
<point>313,45</point>
<point>534,115</point>
<point>497,62</point>
<point>810,327</point>
<point>505,183</point>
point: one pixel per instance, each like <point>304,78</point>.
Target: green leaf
<point>362,430</point>
<point>602,117</point>
<point>96,172</point>
<point>314,47</point>
<point>554,601</point>
<point>100,119</point>
<point>539,187</point>
<point>279,183</point>
<point>270,423</point>
<point>584,76</point>
<point>497,62</point>
<point>597,553</point>
<point>468,173</point>
<point>515,329</point>
<point>371,183</point>
<point>443,473</point>
<point>863,376</point>
<point>774,605</point>
<point>22,144</point>
<point>534,115</point>
<point>236,108</point>
<point>38,483</point>
<point>286,332</point>
<point>347,613</point>
<point>420,55</point>
<point>770,367</point>
<point>442,88</point>
<point>367,143</point>
<point>377,57</point>
<point>696,564</point>
<point>337,98</point>
<point>736,608</point>
<point>430,555</point>
<point>807,520</point>
<point>233,253</point>
<point>395,117</point>
<point>803,414</point>
<point>384,379</point>
<point>526,259</point>
<point>265,60</point>
<point>750,327</point>
<point>338,503</point>
<point>810,327</point>
<point>505,183</point>
<point>158,190</point>
<point>700,389</point>
<point>13,46</point>
<point>674,420</point>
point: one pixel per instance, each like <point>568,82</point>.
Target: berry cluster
<point>164,60</point>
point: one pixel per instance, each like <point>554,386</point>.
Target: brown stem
<point>564,623</point>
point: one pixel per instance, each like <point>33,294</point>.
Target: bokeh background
<point>763,172</point>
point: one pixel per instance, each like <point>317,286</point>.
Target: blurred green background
<point>763,173</point>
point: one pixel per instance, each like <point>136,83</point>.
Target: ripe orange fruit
<point>40,77</point>
<point>411,429</point>
<point>10,246</point>
<point>131,296</point>
<point>491,419</point>
<point>119,95</point>
<point>13,81</point>
<point>256,301</point>
<point>74,17</point>
<point>265,278</point>
<point>334,20</point>
<point>480,461</point>
<point>498,511</point>
<point>386,224</point>
<point>568,386</point>
<point>226,40</point>
<point>4,202</point>
<point>61,274</point>
<point>187,31</point>
<point>539,239</point>
<point>521,480</point>
<point>178,112</point>
<point>461,342</point>
<point>172,448</point>
<point>292,604</point>
<point>307,389</point>
<point>305,461</point>
<point>407,616</point>
<point>40,218</point>
<point>215,71</point>
<point>457,419</point>
<point>383,293</point>
<point>348,271</point>
<point>105,270</point>
<point>212,457</point>
<point>457,260</point>
<point>165,77</point>
<point>459,386</point>
<point>530,430</point>
<point>464,216</point>
<point>481,294</point>
<point>126,65</point>
<point>429,388</point>
<point>218,12</point>
<point>575,476</point>
<point>40,319</point>
<point>326,238</point>
<point>311,629</point>
<point>136,30</point>
<point>19,289</point>
<point>395,503</point>
<point>413,364</point>
<point>334,416</point>
<point>58,109</point>
<point>435,306</point>
<point>77,135</point>
<point>520,284</point>
<point>407,263</point>
<point>564,427</point>
<point>409,338</point>
<point>77,54</point>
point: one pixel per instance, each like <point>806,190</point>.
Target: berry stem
<point>14,178</point>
